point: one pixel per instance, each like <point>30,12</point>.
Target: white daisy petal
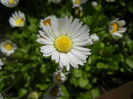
<point>47,49</point>
<point>64,60</point>
<point>55,56</point>
<point>121,30</point>
<point>118,34</point>
<point>81,55</point>
<point>121,23</point>
<point>44,41</point>
<point>74,59</point>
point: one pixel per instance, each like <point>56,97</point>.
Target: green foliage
<point>27,70</point>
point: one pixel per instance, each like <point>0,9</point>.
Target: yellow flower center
<point>58,78</point>
<point>8,46</point>
<point>54,91</point>
<point>77,2</point>
<point>115,27</point>
<point>63,44</point>
<point>12,1</point>
<point>19,21</point>
<point>48,21</point>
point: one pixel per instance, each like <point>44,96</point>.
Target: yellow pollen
<point>63,44</point>
<point>8,46</point>
<point>115,27</point>
<point>48,21</point>
<point>77,2</point>
<point>54,91</point>
<point>19,21</point>
<point>58,78</point>
<point>12,1</point>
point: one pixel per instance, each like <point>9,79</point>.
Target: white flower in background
<point>1,64</point>
<point>43,23</point>
<point>59,77</point>
<point>1,97</point>
<point>7,47</point>
<point>78,3</point>
<point>94,37</point>
<point>65,42</point>
<point>17,19</point>
<point>116,27</point>
<point>55,1</point>
<point>53,92</point>
<point>9,3</point>
<point>110,0</point>
<point>94,3</point>
<point>46,21</point>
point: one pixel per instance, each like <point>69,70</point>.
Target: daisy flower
<point>53,92</point>
<point>94,37</point>
<point>1,64</point>
<point>55,1</point>
<point>116,27</point>
<point>78,3</point>
<point>17,19</point>
<point>59,77</point>
<point>7,47</point>
<point>9,3</point>
<point>65,42</point>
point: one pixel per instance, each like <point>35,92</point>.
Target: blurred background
<point>26,70</point>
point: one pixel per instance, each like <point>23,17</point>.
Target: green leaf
<point>130,7</point>
<point>118,58</point>
<point>101,66</point>
<point>130,46</point>
<point>95,93</point>
<point>129,61</point>
<point>83,82</point>
<point>22,92</point>
<point>77,73</point>
<point>74,81</point>
<point>64,90</point>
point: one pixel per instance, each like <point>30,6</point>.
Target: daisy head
<point>53,92</point>
<point>77,3</point>
<point>59,77</point>
<point>1,64</point>
<point>65,42</point>
<point>116,27</point>
<point>7,47</point>
<point>17,19</point>
<point>9,3</point>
